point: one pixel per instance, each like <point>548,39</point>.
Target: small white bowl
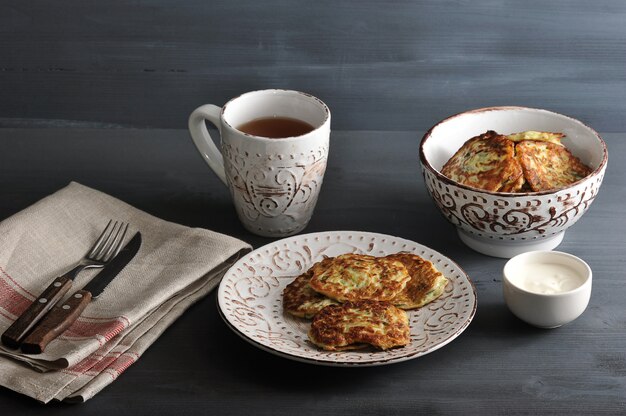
<point>546,310</point>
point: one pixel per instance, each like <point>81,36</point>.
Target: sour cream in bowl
<point>547,289</point>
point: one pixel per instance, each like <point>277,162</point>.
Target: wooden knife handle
<point>57,321</point>
<point>14,334</point>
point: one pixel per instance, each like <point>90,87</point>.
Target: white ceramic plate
<point>250,298</point>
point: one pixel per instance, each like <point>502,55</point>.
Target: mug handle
<point>202,139</point>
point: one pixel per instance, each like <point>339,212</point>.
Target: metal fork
<point>104,249</point>
<point>107,246</point>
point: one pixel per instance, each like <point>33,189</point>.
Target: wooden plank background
<point>380,65</point>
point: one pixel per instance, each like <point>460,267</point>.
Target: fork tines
<point>110,241</point>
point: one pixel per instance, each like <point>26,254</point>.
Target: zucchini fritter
<point>351,325</point>
<point>540,136</point>
<point>486,162</point>
<point>529,161</point>
<point>426,284</point>
<point>549,166</point>
<point>359,277</point>
<point>302,301</point>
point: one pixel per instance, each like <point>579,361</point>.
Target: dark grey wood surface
<point>499,365</point>
<point>380,65</point>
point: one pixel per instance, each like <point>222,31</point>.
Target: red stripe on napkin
<point>85,328</point>
<point>3,272</point>
<point>83,366</point>
<point>114,363</point>
<point>13,304</point>
<point>12,301</point>
<point>122,363</point>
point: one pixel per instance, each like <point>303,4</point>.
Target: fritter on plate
<point>426,284</point>
<point>549,166</point>
<point>353,325</point>
<point>302,301</point>
<point>358,277</point>
<point>486,162</point>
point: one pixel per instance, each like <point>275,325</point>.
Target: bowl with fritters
<point>498,222</point>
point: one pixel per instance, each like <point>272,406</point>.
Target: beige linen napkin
<point>175,266</point>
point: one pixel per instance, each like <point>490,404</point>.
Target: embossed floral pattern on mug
<point>275,184</point>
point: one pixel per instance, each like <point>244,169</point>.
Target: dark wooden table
<point>499,365</point>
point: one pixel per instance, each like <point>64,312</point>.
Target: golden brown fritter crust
<point>359,276</point>
<point>302,301</point>
<point>542,136</point>
<point>486,162</point>
<point>549,166</point>
<point>352,324</point>
<point>426,284</point>
<point>514,185</point>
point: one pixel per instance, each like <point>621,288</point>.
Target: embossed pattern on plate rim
<point>335,358</point>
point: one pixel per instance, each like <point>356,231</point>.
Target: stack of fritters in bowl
<point>530,161</point>
<point>357,300</point>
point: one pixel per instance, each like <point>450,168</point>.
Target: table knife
<point>62,317</point>
<point>97,256</point>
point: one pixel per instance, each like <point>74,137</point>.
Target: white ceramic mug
<point>274,182</point>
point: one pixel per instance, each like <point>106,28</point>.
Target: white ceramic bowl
<point>506,224</point>
<point>546,310</point>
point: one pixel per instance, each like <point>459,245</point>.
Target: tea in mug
<point>276,127</point>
